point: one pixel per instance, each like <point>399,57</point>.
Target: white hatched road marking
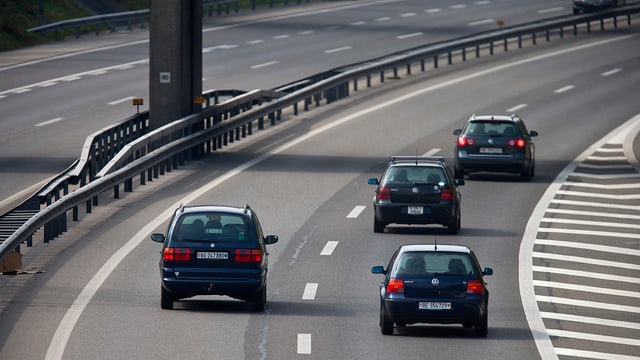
<point>579,259</point>
<point>586,274</point>
<point>605,155</point>
<point>590,320</point>
<point>585,288</point>
<point>592,337</point>
<point>589,304</point>
<point>593,354</point>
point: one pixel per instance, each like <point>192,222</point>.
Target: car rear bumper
<point>406,311</point>
<point>398,214</point>
<point>234,287</point>
<point>471,163</point>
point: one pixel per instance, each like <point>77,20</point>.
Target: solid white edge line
<point>63,332</point>
<point>525,270</point>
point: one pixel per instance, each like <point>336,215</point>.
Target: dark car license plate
<point>431,305</point>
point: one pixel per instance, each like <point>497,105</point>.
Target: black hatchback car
<point>440,284</point>
<point>214,250</point>
<point>417,190</point>
<point>496,143</point>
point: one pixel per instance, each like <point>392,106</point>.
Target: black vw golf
<point>441,284</point>
<point>214,250</point>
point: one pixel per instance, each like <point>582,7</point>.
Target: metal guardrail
<point>151,160</point>
<point>141,17</point>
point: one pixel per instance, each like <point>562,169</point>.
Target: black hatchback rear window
<point>435,262</point>
<point>491,128</point>
<point>416,175</point>
<point>211,227</point>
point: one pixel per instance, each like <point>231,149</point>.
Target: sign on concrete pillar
<point>175,59</point>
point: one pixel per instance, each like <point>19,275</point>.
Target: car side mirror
<point>457,131</point>
<point>373,181</point>
<point>157,237</point>
<point>533,133</point>
<point>487,271</point>
<point>459,182</point>
<point>271,239</point>
<point>378,270</point>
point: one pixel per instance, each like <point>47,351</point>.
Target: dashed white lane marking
<point>335,50</point>
<point>310,291</point>
<point>357,210</point>
<point>433,11</point>
<point>304,344</point>
<point>554,9</point>
<point>590,320</point>
<point>253,42</point>
<point>49,122</point>
<point>611,72</point>
<point>329,248</point>
<point>458,6</point>
<point>407,36</point>
<point>517,107</point>
<point>384,18</point>
<point>358,23</point>
<point>116,102</point>
<point>280,37</point>
<point>483,2</point>
<point>432,152</point>
<point>481,22</point>
<point>405,15</point>
<point>269,63</point>
<point>564,89</point>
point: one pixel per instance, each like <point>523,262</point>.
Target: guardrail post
<point>435,61</point>
<point>128,185</point>
<point>464,54</point>
<point>116,191</point>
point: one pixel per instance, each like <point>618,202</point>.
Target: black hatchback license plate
<point>212,255</point>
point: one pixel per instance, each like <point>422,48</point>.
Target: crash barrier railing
<point>152,161</point>
<point>129,19</point>
<point>99,149</point>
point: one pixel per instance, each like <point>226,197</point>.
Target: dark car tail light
<point>383,194</point>
<point>446,194</point>
<point>176,254</point>
<point>248,255</point>
<point>475,287</point>
<point>395,286</point>
<point>516,142</point>
<point>464,141</point>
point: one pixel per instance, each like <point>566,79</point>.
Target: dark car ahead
<point>214,250</point>
<point>594,5</point>
<point>417,190</point>
<point>495,143</point>
<point>440,284</point>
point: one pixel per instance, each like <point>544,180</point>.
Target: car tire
<point>386,325</point>
<point>166,299</point>
<point>481,327</point>
<point>259,300</point>
<point>525,173</point>
<point>454,226</point>
<point>378,226</point>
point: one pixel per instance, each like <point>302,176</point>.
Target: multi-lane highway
<point>99,294</point>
